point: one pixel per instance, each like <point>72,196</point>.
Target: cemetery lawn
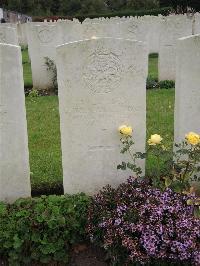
<point>27,69</point>
<point>44,135</point>
<point>153,66</point>
<point>44,142</point>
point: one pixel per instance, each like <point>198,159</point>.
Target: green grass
<point>26,68</point>
<point>44,141</point>
<point>44,131</point>
<point>153,66</point>
<point>160,120</point>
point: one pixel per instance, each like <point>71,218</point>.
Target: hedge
<point>124,13</point>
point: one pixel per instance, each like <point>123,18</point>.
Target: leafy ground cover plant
<point>42,230</point>
<point>137,223</point>
<point>153,83</point>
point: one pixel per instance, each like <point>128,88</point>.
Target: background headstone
<point>172,28</point>
<point>22,36</point>
<point>8,35</point>
<point>187,100</point>
<point>42,42</point>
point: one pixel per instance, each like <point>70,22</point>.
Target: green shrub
<point>42,229</point>
<point>152,83</point>
<point>153,12</point>
<point>121,13</point>
<point>167,84</point>
<point>153,55</point>
<point>33,93</point>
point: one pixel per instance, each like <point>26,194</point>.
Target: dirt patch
<point>88,255</point>
<point>82,255</point>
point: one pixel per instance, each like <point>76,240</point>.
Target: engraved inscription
<point>101,148</point>
<point>102,71</point>
<point>45,35</point>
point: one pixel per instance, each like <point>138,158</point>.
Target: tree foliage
<point>182,6</point>
<point>76,7</point>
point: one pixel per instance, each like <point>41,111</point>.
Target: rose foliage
<point>136,223</point>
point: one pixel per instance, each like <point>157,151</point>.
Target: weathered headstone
<point>172,28</point>
<point>100,29</point>
<point>187,100</point>
<point>102,85</point>
<point>70,31</point>
<point>42,42</point>
<point>14,159</point>
<point>152,28</point>
<point>196,23</point>
<point>8,35</point>
<point>134,28</point>
<point>22,36</point>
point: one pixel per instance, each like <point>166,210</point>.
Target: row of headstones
<point>102,85</point>
<point>160,33</point>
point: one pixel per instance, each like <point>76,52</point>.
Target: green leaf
<point>122,166</point>
<point>168,181</point>
<point>17,242</point>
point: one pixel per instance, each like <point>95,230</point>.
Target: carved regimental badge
<point>102,71</point>
<point>45,35</point>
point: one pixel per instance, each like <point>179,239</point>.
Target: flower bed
<point>138,223</point>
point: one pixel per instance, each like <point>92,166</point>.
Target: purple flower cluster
<point>138,223</point>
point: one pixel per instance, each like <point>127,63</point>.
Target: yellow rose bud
<point>155,139</point>
<point>125,130</point>
<point>193,138</point>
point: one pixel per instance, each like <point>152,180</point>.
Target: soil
<point>41,92</point>
<point>82,255</point>
<point>88,255</point>
<point>55,189</point>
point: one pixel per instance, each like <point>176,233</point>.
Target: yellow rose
<point>125,130</point>
<point>193,138</point>
<point>155,139</point>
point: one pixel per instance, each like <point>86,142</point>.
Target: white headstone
<point>14,158</point>
<point>70,31</point>
<point>100,29</point>
<point>134,29</point>
<point>197,23</point>
<point>102,85</point>
<point>153,28</point>
<point>1,13</point>
<point>42,42</point>
<point>8,35</point>
<point>187,103</point>
<point>172,28</point>
<point>21,31</point>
